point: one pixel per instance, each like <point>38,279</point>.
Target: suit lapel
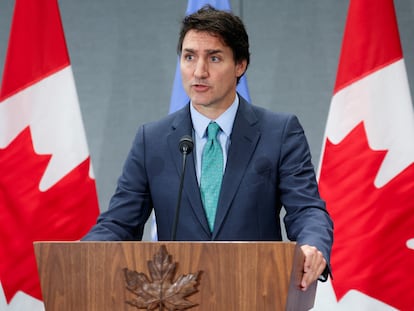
<point>181,126</point>
<point>244,139</point>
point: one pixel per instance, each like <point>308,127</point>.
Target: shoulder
<point>266,117</point>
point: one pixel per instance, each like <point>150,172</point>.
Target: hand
<point>313,266</point>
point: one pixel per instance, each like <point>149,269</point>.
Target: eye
<point>188,57</point>
<point>215,59</point>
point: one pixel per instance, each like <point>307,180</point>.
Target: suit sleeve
<point>307,220</point>
<point>131,205</point>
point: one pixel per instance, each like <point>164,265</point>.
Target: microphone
<point>186,146</point>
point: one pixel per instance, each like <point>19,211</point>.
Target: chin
<point>197,104</point>
<point>199,101</point>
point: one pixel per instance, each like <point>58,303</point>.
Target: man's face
<point>209,73</point>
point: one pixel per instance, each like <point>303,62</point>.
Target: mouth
<point>200,87</point>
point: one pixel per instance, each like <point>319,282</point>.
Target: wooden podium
<point>217,276</point>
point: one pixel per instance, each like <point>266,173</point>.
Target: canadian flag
<point>367,168</point>
<point>47,189</point>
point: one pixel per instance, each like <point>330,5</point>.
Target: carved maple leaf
<point>373,226</point>
<point>161,291</point>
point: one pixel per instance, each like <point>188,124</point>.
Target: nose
<point>201,69</point>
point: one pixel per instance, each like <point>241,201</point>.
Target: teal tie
<point>211,173</point>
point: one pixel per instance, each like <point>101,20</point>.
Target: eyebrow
<point>209,52</point>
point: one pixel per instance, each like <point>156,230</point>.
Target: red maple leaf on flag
<point>372,225</point>
<point>62,213</point>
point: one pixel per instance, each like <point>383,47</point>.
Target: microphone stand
<point>186,146</point>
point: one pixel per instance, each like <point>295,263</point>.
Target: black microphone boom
<point>186,146</point>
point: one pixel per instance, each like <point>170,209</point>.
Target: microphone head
<point>186,144</point>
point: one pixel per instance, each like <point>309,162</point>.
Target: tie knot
<point>212,130</point>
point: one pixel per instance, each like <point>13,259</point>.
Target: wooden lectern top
<point>195,276</point>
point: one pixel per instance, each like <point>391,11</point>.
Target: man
<point>264,158</point>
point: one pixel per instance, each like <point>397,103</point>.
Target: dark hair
<point>225,25</point>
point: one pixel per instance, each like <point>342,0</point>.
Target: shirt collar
<point>225,120</point>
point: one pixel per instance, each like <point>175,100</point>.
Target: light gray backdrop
<point>123,58</point>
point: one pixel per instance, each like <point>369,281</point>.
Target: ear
<point>241,68</point>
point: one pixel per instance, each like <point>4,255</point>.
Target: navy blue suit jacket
<point>268,165</point>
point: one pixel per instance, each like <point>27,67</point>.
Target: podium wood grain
<point>239,276</point>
